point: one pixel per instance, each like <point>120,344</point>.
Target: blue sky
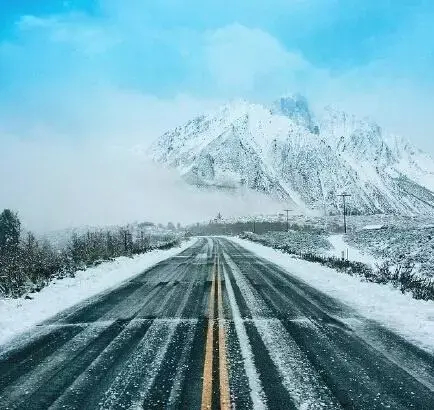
<point>214,49</point>
<point>81,82</point>
<point>59,60</point>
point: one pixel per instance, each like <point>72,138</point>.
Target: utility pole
<point>254,225</point>
<point>344,197</point>
<point>287,219</point>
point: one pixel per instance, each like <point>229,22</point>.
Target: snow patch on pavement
<point>254,302</point>
<point>19,315</point>
<point>298,375</point>
<point>36,378</point>
<point>138,374</point>
<point>411,318</point>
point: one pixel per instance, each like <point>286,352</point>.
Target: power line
<point>287,218</point>
<point>344,197</point>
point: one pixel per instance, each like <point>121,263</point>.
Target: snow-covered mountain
<point>288,152</point>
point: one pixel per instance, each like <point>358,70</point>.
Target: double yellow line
<point>207,388</point>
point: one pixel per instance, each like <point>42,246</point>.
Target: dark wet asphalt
<point>144,344</point>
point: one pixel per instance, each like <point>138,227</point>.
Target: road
<point>213,327</point>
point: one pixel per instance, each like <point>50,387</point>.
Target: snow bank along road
<point>213,327</point>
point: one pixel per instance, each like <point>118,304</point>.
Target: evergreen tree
<point>10,228</point>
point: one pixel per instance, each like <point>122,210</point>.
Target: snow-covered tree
<point>10,228</point>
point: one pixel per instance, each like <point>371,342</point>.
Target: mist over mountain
<point>305,159</point>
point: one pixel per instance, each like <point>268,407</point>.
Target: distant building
<point>374,227</point>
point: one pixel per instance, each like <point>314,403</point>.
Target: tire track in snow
<point>88,388</point>
<point>55,386</point>
<point>21,360</point>
<point>19,391</point>
<point>256,392</point>
<point>166,387</point>
<point>132,384</point>
<point>182,368</point>
<point>298,375</point>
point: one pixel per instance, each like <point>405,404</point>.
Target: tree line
<point>28,264</point>
<point>259,227</point>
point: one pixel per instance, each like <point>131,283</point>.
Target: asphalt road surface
<point>214,327</point>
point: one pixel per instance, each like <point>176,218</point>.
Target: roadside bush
<point>401,276</point>
<point>27,265</point>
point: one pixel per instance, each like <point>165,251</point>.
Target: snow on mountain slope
<point>412,162</point>
<point>289,153</point>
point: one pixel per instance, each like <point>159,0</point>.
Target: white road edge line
<point>256,392</point>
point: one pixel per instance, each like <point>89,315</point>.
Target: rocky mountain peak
<point>296,107</point>
<point>290,153</point>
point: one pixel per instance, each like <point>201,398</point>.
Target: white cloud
<point>103,113</point>
<point>398,104</point>
<point>250,62</point>
<point>242,60</point>
<point>230,61</point>
<point>83,33</point>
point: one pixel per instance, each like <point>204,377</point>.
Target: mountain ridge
<point>288,152</point>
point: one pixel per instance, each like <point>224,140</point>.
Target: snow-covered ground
<point>412,245</point>
<point>318,243</point>
<point>18,315</point>
<point>294,241</point>
<point>351,253</point>
<point>411,318</point>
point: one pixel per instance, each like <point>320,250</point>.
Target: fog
<point>56,183</point>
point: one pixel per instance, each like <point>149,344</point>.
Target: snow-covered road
<point>215,326</point>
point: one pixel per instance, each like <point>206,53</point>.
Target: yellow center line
<point>207,369</point>
<point>207,388</point>
<point>225,400</point>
